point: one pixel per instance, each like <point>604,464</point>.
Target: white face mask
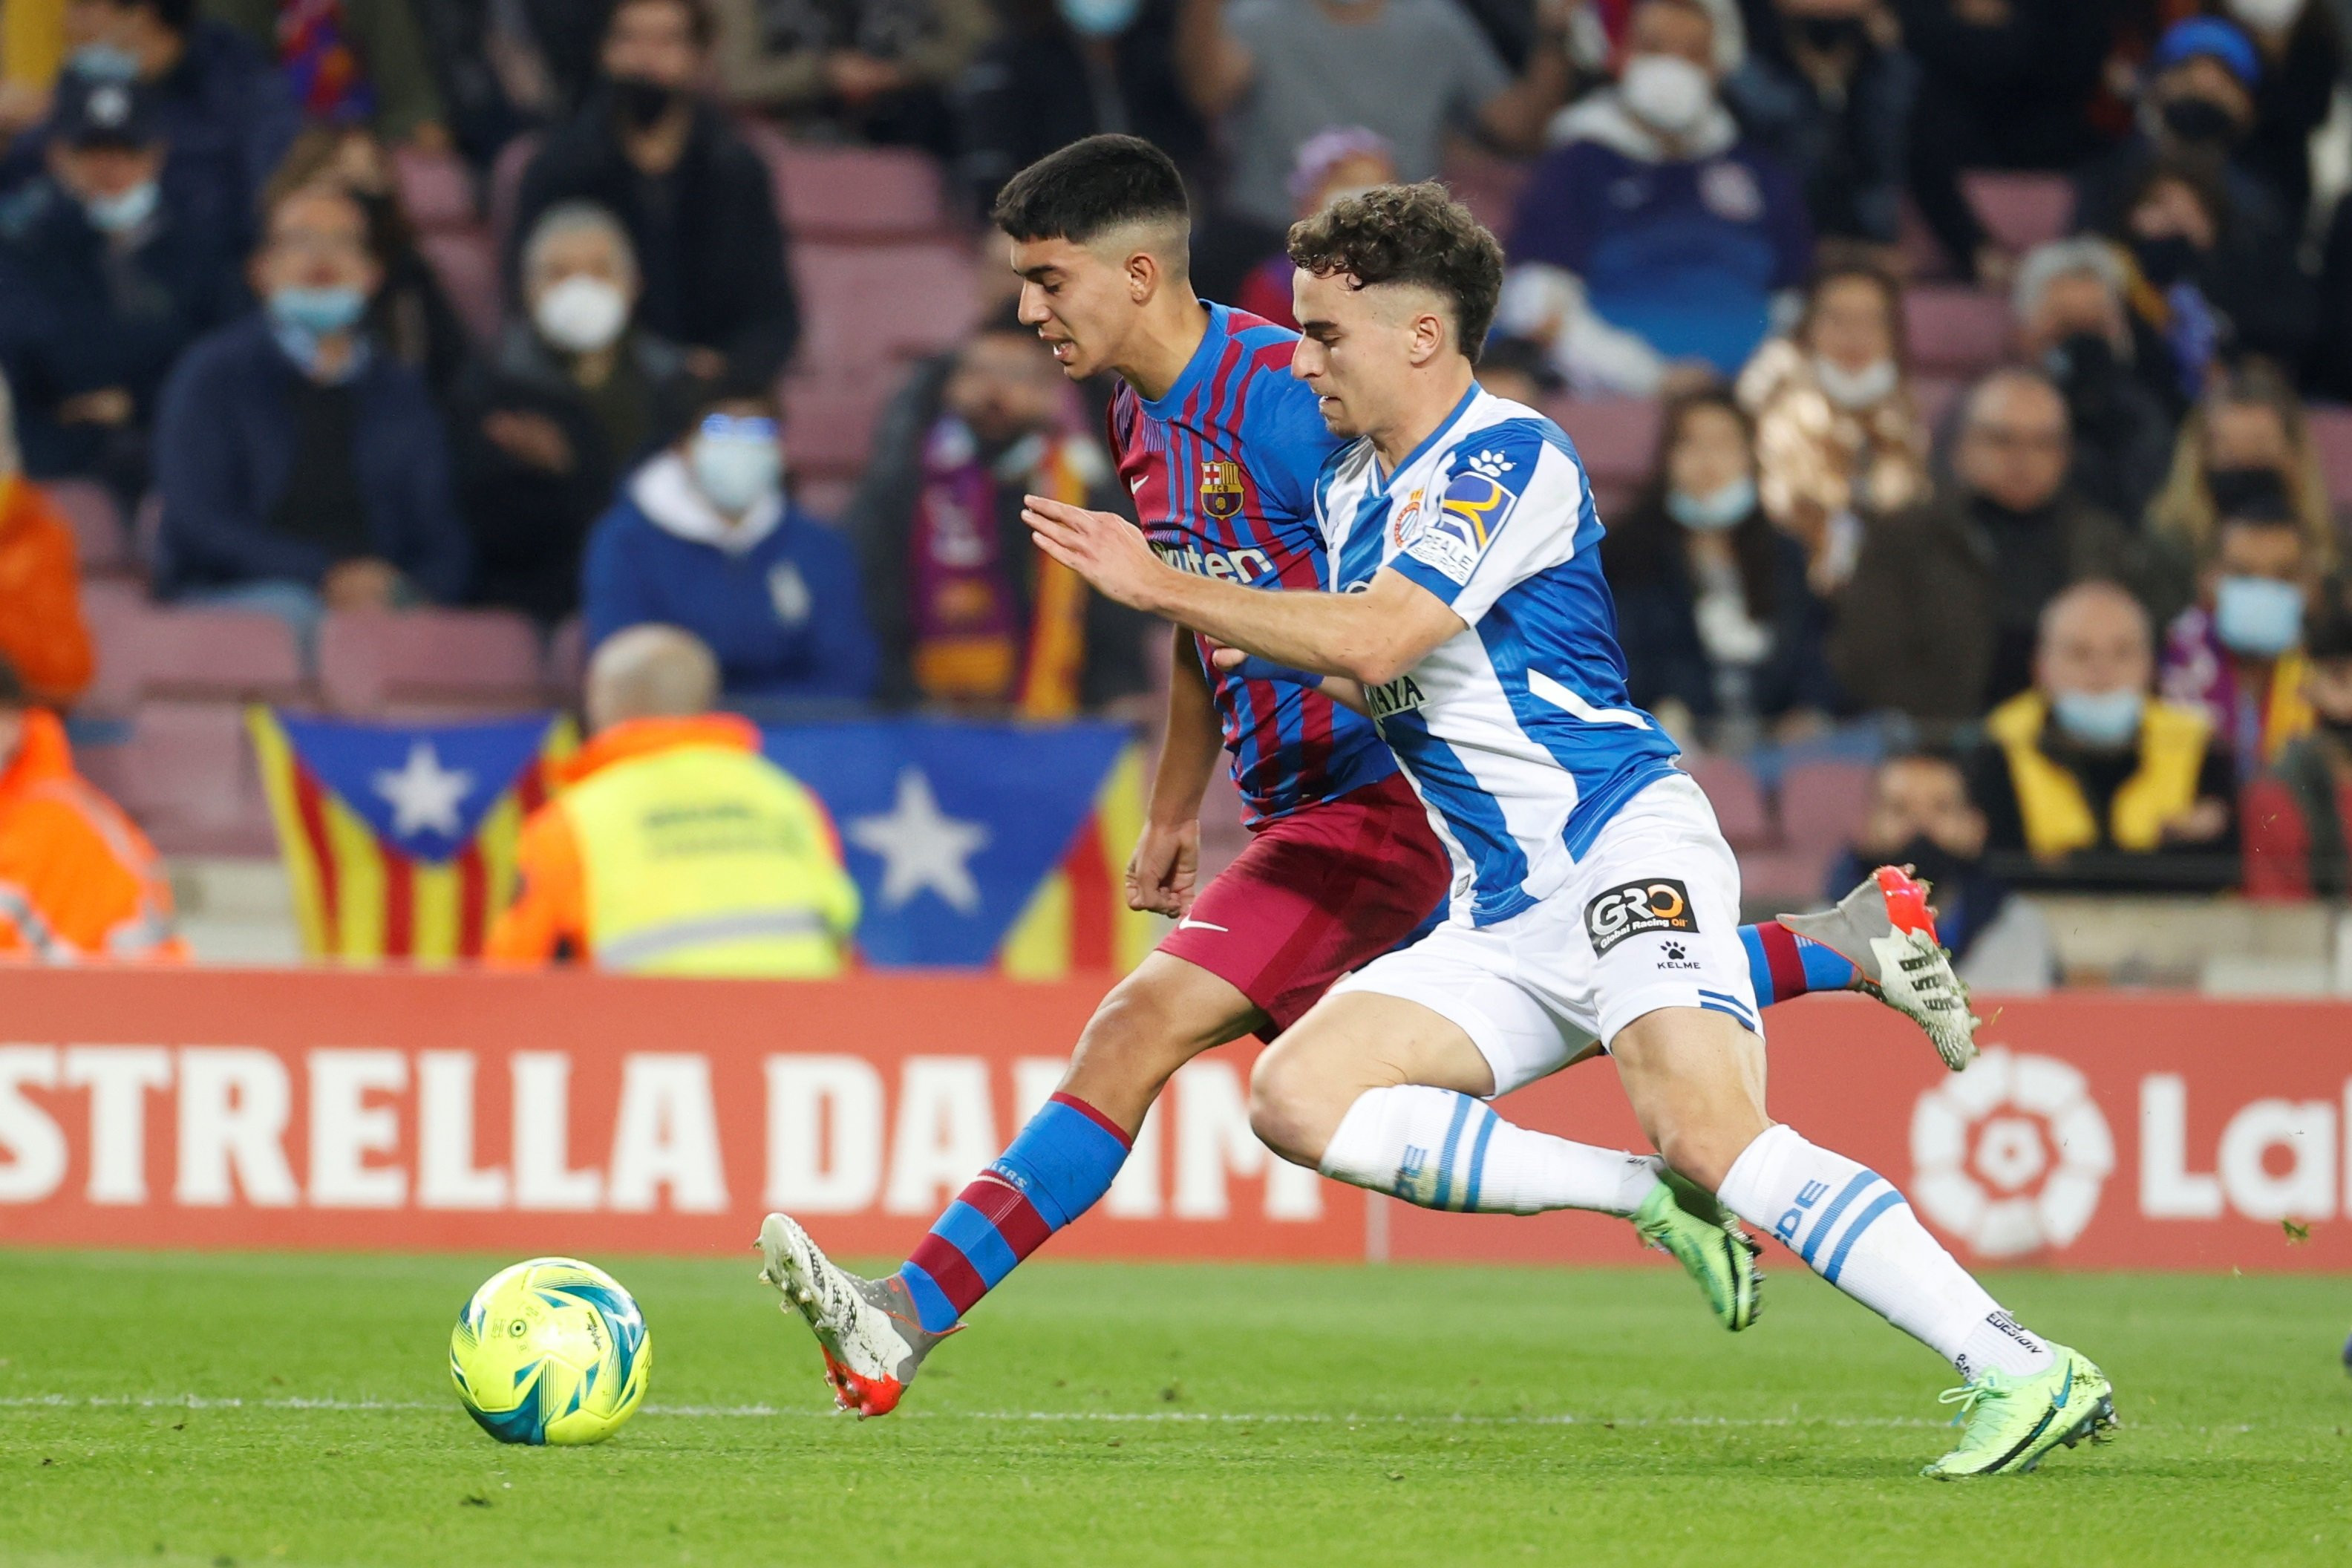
<point>1855,388</point>
<point>736,472</point>
<point>1666,92</point>
<point>2267,16</point>
<point>582,314</point>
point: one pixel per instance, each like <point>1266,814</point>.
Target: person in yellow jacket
<point>2088,781</point>
<point>674,846</point>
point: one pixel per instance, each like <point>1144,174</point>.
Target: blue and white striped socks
<point>1444,1150</point>
<point>1855,1230</point>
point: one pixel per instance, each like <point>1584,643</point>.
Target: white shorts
<point>1650,919</point>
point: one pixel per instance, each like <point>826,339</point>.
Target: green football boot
<point>2014,1422</point>
<point>1716,1252</point>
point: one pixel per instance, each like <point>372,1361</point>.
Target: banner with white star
<point>399,838</point>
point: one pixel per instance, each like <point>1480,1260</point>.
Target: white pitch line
<point>1119,1417</point>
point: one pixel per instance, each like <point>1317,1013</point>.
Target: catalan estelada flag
<point>399,838</point>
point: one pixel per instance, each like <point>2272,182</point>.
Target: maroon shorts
<point>1318,893</point>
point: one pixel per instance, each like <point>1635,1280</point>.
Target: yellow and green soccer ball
<point>551,1351</point>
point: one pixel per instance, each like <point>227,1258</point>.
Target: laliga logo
<point>2011,1154</point>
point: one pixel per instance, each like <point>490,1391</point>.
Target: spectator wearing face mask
<point>1940,616</point>
<point>2246,438</point>
<point>2004,84</point>
<point>1338,162</point>
<point>2237,652</point>
<point>702,538</point>
<point>572,396</point>
<point>218,104</point>
<point>2297,817</point>
<point>697,202</point>
<point>2087,781</point>
<point>1921,816</point>
<point>2209,237</point>
<point>1722,636</point>
<point>2068,303</point>
<point>2300,46</point>
<point>1838,437</point>
<point>299,468</point>
<point>1654,239</point>
<point>102,285</point>
<point>1061,70</point>
<point>1827,89</point>
<point>878,70</point>
<point>970,616</point>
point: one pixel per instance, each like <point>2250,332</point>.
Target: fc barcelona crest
<point>1220,488</point>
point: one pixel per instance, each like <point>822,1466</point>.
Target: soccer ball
<point>551,1351</point>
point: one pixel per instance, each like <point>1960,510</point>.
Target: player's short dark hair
<point>1091,187</point>
<point>700,24</point>
<point>1409,233</point>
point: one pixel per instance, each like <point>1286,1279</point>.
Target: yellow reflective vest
<point>2049,799</point>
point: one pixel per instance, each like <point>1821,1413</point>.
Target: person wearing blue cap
<point>2301,44</point>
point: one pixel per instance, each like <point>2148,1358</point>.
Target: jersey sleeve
<point>1284,433</point>
<point>1512,507</point>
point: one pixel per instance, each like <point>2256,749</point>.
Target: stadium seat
<point>827,499</point>
<point>466,263</point>
<point>185,774</point>
<point>567,657</point>
<point>1955,330</point>
<point>461,661</point>
<point>873,193</point>
<point>1934,396</point>
<point>1773,880</point>
<point>2020,210</point>
<point>2331,437</point>
<point>864,304</point>
<point>1823,803</point>
<point>1737,799</point>
<point>100,541</point>
<point>437,193</point>
<point>829,421</point>
<point>147,652</point>
<point>1489,185</point>
<point>1616,436</point>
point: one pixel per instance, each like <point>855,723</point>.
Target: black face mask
<point>1934,863</point>
<point>641,102</point>
<point>1827,33</point>
<point>2166,260</point>
<point>2082,361</point>
<point>2200,121</point>
<point>2238,492</point>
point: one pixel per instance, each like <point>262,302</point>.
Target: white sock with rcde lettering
<point>1854,1229</point>
<point>1443,1150</point>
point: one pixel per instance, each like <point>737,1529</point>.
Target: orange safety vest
<point>78,880</point>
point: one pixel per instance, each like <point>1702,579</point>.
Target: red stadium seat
<point>147,652</point>
<point>826,498</point>
<point>2331,437</point>
<point>1934,396</point>
<point>852,193</point>
<point>567,657</point>
<point>466,261</point>
<point>1955,330</point>
<point>435,191</point>
<point>187,775</point>
<point>1737,799</point>
<point>2020,210</point>
<point>1823,803</point>
<point>865,305</point>
<point>461,661</point>
<point>829,421</point>
<point>1775,879</point>
<point>100,541</point>
<point>1616,436</point>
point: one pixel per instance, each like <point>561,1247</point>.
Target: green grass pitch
<point>254,1410</point>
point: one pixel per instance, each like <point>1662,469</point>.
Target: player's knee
<point>1137,1038</point>
<point>1286,1107</point>
<point>1701,1151</point>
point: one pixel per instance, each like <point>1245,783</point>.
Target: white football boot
<point>1884,929</point>
<point>870,1334</point>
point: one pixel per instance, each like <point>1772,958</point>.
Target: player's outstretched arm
<point>1161,873</point>
<point>1371,637</point>
<point>1347,693</point>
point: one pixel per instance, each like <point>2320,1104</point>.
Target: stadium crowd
<point>1953,374</point>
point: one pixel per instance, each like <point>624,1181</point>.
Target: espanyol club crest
<point>1220,487</point>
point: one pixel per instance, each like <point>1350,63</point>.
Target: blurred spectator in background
<point>301,469</point>
<point>697,202</point>
<point>2296,817</point>
<point>1518,371</point>
<point>1654,239</point>
<point>411,316</point>
<point>2236,653</point>
<point>1343,161</point>
<point>2087,780</point>
<point>1277,72</point>
<point>1941,615</point>
<point>1713,614</point>
<point>2004,84</point>
<point>573,398</point>
<point>1921,816</point>
<point>1838,437</point>
<point>701,537</point>
<point>878,70</point>
<point>2193,217</point>
<point>2246,436</point>
<point>102,283</point>
<point>969,615</point>
<point>504,67</point>
<point>41,633</point>
<point>2068,303</point>
<point>2300,43</point>
<point>32,51</point>
<point>1827,89</point>
<point>1062,71</point>
<point>79,882</point>
<point>220,106</point>
<point>676,848</point>
<point>348,62</point>
<point>2326,361</point>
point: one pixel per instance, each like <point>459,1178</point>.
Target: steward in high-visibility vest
<point>676,848</point>
<point>2056,811</point>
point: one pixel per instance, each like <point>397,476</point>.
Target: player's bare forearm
<point>1188,753</point>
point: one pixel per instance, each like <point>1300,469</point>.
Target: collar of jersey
<point>1380,481</point>
<point>1213,343</point>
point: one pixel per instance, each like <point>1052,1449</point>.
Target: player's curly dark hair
<point>1409,233</point>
